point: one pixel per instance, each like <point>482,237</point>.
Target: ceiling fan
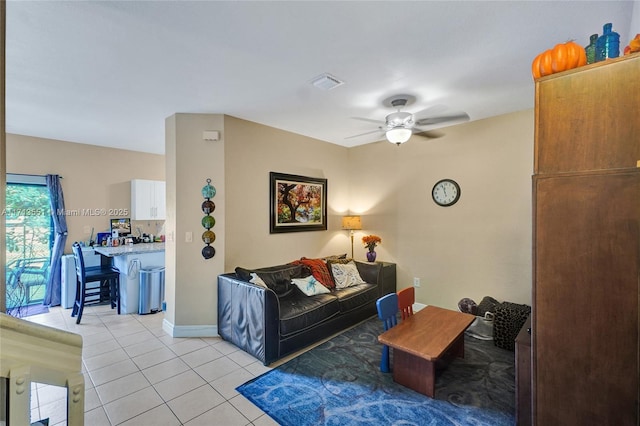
<point>400,125</point>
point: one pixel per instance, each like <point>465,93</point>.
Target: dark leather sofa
<point>269,327</point>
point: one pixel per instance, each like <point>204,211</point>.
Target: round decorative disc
<point>208,191</point>
<point>208,252</point>
<point>208,237</point>
<point>208,207</point>
<point>208,222</point>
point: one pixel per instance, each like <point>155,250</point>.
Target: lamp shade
<point>398,135</point>
<point>351,222</point>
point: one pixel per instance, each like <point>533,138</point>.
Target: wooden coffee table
<point>430,335</point>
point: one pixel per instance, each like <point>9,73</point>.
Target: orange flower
<point>371,241</point>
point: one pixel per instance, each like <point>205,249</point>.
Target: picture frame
<point>305,196</point>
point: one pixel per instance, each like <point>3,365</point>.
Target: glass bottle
<point>608,44</point>
<point>590,50</point>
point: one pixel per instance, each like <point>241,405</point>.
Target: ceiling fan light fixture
<point>398,135</point>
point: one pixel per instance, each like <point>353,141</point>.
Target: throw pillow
<point>320,271</point>
<point>335,257</point>
<point>310,286</point>
<point>255,279</point>
<point>278,280</point>
<point>346,275</point>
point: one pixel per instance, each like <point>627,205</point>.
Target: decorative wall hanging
<point>297,203</point>
<point>208,236</point>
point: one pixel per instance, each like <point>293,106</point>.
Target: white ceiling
<point>109,73</point>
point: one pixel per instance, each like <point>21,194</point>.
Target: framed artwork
<point>297,203</point>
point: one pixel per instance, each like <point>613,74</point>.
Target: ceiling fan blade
<point>429,121</point>
<point>429,134</point>
<point>369,120</point>
<point>432,111</point>
<point>365,133</point>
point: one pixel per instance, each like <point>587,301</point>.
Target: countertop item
<point>130,249</point>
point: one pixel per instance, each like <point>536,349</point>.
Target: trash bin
<point>151,289</point>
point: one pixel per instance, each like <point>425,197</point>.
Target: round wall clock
<point>446,192</point>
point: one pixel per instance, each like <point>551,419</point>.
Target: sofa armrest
<point>248,317</point>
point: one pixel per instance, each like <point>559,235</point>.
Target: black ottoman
<point>509,319</point>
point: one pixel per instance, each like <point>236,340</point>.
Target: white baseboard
<point>190,330</point>
<point>417,306</point>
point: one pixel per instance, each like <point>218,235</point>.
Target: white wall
<point>634,28</point>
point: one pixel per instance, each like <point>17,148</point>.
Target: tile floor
<point>136,374</point>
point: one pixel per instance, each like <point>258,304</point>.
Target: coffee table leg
<point>458,347</point>
<point>414,372</point>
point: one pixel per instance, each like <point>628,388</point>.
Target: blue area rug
<point>340,383</point>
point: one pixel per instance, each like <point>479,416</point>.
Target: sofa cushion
<point>345,274</point>
<point>299,312</point>
<point>351,298</point>
<point>319,270</point>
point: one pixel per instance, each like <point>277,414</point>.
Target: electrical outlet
<point>416,282</point>
<point>188,237</point>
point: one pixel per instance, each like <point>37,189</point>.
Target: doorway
<point>29,239</point>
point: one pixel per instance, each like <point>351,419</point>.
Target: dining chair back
<point>107,289</point>
<point>406,299</point>
<point>388,314</point>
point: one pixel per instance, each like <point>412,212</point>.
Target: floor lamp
<point>351,223</point>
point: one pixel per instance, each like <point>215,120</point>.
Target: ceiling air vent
<point>326,82</point>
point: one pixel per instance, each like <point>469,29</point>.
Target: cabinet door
<point>585,332</point>
<point>587,119</point>
<point>142,199</point>
<point>160,200</point>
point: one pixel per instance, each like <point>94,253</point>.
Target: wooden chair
<point>387,312</point>
<point>406,299</point>
<point>108,288</point>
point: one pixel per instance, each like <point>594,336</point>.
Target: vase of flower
<point>370,242</point>
<point>371,256</point>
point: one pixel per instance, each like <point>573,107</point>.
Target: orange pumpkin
<point>545,63</point>
<point>559,58</point>
<point>633,46</point>
<point>564,56</point>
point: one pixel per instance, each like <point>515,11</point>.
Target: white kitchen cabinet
<point>148,200</point>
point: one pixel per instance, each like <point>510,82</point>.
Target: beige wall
<point>252,151</point>
<point>93,177</point>
<point>190,289</point>
<point>481,245</point>
<point>239,166</point>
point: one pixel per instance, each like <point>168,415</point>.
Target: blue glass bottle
<point>590,50</point>
<point>608,44</point>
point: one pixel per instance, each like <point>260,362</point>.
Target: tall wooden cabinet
<point>586,245</point>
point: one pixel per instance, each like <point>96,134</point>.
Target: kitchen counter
<point>129,260</point>
<point>124,250</point>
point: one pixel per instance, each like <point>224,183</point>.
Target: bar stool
<point>108,287</point>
